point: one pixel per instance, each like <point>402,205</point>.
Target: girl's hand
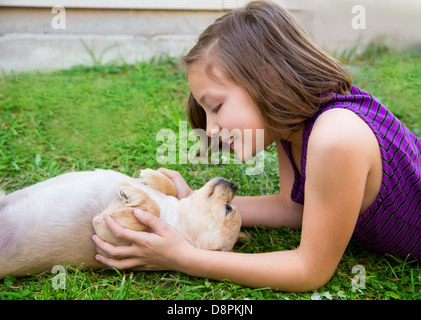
<point>161,249</point>
<point>183,189</point>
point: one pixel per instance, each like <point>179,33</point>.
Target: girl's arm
<point>276,210</point>
<point>271,211</point>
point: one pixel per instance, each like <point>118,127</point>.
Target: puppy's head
<point>208,218</point>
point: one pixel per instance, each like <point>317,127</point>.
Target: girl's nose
<point>212,128</point>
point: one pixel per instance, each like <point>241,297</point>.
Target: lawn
<point>109,116</point>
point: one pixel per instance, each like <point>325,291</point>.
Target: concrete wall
<point>135,30</point>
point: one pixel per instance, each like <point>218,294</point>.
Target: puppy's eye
<point>228,209</point>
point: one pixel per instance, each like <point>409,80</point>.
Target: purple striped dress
<point>392,224</point>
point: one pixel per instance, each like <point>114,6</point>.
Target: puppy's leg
<point>158,181</point>
<point>124,216</point>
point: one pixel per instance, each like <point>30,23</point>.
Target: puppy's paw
<point>158,181</point>
<point>121,214</point>
<point>243,236</point>
<point>102,230</point>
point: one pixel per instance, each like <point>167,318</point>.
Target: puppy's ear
<point>129,194</point>
<point>158,181</point>
<point>136,198</point>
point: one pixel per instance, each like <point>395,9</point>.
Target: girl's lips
<point>231,142</point>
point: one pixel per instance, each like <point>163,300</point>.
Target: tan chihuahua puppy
<point>52,222</point>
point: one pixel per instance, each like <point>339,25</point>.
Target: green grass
<point>108,117</point>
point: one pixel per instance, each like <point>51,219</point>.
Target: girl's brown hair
<point>265,51</point>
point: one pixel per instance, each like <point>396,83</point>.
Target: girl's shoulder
<point>341,128</point>
<point>342,142</point>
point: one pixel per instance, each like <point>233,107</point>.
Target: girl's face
<point>230,112</point>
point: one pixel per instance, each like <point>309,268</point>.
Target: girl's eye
<point>216,109</point>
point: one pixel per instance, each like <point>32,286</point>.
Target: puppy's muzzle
<point>233,187</point>
<point>224,183</point>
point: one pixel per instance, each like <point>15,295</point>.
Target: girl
<point>347,166</point>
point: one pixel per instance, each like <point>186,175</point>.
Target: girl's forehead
<point>209,71</point>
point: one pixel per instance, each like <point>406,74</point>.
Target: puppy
<point>52,222</point>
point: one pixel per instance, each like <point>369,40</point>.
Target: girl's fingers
<point>136,238</point>
<point>183,189</point>
<point>170,173</point>
<point>157,225</point>
<point>120,232</point>
<point>145,251</point>
<point>111,250</point>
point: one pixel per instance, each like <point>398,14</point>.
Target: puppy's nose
<point>233,187</point>
<point>225,184</point>
<point>228,184</point>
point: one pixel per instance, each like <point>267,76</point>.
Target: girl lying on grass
<point>348,168</point>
